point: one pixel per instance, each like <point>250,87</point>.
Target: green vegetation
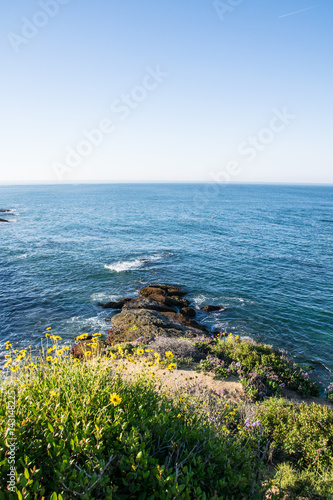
<point>256,365</point>
<point>301,440</point>
<point>84,429</point>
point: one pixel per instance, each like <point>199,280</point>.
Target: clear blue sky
<point>230,75</point>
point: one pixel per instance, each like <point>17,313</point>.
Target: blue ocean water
<point>264,252</point>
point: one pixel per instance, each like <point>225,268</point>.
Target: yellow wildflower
<point>172,366</point>
<point>53,394</point>
<point>8,363</point>
<point>115,399</point>
<point>169,355</point>
<point>140,352</point>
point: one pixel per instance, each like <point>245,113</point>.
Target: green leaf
<point>50,427</point>
<point>54,496</point>
<point>26,473</point>
<point>19,495</point>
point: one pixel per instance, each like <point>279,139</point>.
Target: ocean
<point>263,252</point>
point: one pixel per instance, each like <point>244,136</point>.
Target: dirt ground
<point>188,381</point>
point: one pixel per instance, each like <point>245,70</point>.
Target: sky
<point>200,91</point>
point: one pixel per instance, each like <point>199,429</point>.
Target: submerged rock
<point>115,304</point>
<point>4,220</point>
<point>189,312</point>
<point>210,308</point>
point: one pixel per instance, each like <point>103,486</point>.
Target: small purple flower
<point>282,385</point>
<point>256,423</point>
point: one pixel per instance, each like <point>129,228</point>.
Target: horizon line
<point>99,182</point>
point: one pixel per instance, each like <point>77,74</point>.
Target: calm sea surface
<point>265,253</point>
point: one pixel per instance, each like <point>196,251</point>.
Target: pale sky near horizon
<point>225,90</point>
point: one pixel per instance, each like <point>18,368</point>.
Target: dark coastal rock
<point>4,220</point>
<point>169,295</point>
<point>186,321</point>
<point>131,324</point>
<point>210,308</point>
<point>158,311</point>
<point>164,290</point>
<point>83,346</point>
<point>145,303</point>
<point>5,210</point>
<point>115,305</point>
<point>189,312</point>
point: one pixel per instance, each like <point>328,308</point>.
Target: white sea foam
<point>104,297</point>
<point>130,265</point>
<point>200,299</point>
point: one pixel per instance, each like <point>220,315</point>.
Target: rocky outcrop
<point>159,310</point>
<point>4,220</point>
<point>144,303</point>
<point>189,312</point>
<point>210,308</point>
<point>115,305</point>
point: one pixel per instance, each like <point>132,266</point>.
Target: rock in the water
<point>145,303</point>
<point>165,290</point>
<point>115,304</point>
<point>189,312</point>
<point>210,308</point>
<point>131,324</point>
<point>5,210</point>
<point>4,220</point>
<point>186,321</point>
